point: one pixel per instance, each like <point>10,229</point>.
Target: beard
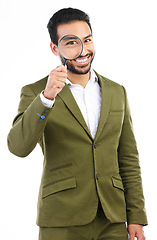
<point>79,69</point>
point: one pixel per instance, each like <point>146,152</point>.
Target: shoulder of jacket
<point>37,86</point>
<point>109,82</point>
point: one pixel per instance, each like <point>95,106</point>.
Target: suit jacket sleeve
<point>130,172</point>
<point>28,126</point>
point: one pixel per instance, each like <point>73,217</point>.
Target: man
<point>91,182</point>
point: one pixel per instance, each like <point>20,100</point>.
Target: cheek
<point>92,47</point>
<point>89,47</point>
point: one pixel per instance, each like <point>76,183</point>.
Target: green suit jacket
<point>79,170</point>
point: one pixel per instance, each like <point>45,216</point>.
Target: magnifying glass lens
<point>70,47</point>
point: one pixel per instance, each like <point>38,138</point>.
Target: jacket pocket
<point>58,186</point>
<point>121,112</point>
<point>117,183</point>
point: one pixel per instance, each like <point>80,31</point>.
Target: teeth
<point>82,60</point>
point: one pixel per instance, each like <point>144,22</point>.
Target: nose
<point>84,50</point>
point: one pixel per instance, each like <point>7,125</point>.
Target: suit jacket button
<point>42,117</point>
<point>97,176</point>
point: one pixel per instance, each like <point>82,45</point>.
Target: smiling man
<point>91,182</point>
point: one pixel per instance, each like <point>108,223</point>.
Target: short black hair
<point>65,15</point>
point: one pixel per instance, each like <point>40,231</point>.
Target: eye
<point>71,43</point>
<point>88,40</point>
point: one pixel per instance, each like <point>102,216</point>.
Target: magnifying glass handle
<point>65,60</point>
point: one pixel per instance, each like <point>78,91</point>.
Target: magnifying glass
<point>70,47</point>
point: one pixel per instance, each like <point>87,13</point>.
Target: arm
<point>29,124</point>
<point>130,171</point>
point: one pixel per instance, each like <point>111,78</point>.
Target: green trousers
<point>99,229</point>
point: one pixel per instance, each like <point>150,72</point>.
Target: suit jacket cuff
<point>137,218</point>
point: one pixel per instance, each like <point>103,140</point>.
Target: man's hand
<point>136,231</point>
<point>56,82</point>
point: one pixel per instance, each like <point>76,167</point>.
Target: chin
<point>82,70</point>
<point>79,70</point>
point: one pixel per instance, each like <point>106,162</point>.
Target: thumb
<point>131,236</point>
<point>61,68</point>
<point>132,231</point>
<point>65,67</point>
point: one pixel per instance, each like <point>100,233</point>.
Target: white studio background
<point>125,35</point>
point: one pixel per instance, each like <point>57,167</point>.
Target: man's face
<point>82,64</point>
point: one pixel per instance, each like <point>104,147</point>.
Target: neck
<point>80,79</point>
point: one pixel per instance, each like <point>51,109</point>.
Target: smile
<point>81,60</point>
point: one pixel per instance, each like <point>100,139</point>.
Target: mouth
<point>83,61</point>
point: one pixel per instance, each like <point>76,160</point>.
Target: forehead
<point>78,28</point>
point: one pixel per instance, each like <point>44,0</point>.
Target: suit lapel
<point>105,104</point>
<point>71,104</point>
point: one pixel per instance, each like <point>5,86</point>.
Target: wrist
<point>47,96</point>
<point>46,102</point>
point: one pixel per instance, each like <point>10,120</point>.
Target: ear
<point>54,49</point>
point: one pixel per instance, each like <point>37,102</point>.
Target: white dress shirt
<point>88,100</point>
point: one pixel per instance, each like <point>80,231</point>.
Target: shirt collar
<point>93,78</point>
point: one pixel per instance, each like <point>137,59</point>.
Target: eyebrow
<point>90,35</point>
